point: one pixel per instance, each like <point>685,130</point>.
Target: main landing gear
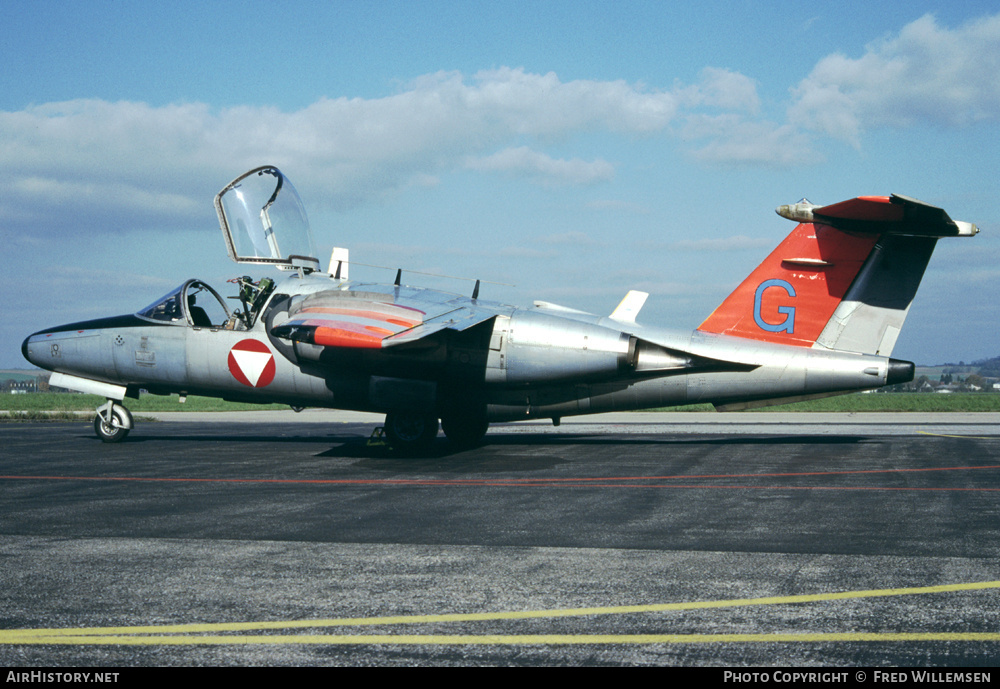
<point>465,428</point>
<point>410,432</point>
<point>112,423</point>
<point>414,433</point>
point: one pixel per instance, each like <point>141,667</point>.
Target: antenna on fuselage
<point>339,257</point>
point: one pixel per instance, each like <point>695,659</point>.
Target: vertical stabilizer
<point>843,279</point>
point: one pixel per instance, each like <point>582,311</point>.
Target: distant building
<point>19,387</point>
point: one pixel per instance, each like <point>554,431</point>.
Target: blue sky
<point>573,149</point>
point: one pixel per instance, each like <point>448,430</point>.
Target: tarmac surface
<point>778,540</point>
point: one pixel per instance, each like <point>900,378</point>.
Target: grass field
<point>882,402</point>
<point>38,405</point>
<point>53,401</point>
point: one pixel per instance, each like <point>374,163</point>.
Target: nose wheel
<point>112,423</point>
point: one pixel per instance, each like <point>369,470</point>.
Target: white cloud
<point>119,166</point>
<point>114,166</point>
<point>733,140</point>
<point>524,161</point>
<point>570,239</point>
<point>524,252</point>
<point>617,206</point>
<point>739,242</point>
<point>722,88</point>
<point>927,73</point>
<point>540,104</point>
<point>72,162</point>
<point>124,195</point>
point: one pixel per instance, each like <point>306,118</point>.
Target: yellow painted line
<point>970,437</point>
<point>81,635</point>
<point>499,639</point>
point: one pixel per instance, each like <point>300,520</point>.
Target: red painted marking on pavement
<point>592,482</point>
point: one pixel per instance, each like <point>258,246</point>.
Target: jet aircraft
<point>818,317</point>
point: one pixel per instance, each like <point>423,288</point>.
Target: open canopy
<point>264,221</point>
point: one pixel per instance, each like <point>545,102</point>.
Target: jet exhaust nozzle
<point>899,372</point>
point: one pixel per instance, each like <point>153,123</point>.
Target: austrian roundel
<point>251,363</point>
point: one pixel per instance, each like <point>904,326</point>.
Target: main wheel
<point>116,432</point>
<point>410,432</point>
<point>465,430</point>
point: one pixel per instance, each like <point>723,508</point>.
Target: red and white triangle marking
<point>251,363</point>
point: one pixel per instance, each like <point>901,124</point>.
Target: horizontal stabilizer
<point>893,214</point>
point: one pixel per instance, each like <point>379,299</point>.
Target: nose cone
<point>31,349</point>
<point>81,348</point>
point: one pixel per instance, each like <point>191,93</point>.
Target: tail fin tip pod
<point>843,279</point>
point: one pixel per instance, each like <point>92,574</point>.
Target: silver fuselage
<point>521,363</point>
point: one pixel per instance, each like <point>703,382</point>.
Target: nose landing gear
<point>112,423</point>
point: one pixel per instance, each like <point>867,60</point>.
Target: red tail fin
<point>791,296</point>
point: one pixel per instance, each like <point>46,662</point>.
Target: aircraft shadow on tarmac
<point>358,448</point>
<point>212,438</point>
<point>350,445</point>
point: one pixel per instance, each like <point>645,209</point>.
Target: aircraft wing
<point>368,320</point>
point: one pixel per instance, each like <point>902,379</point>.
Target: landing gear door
<point>263,221</point>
